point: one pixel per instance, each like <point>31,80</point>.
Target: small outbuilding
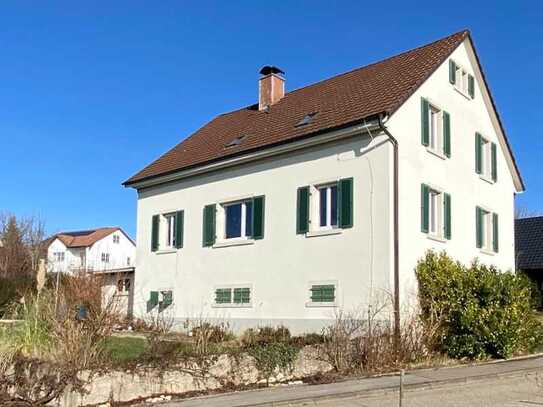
<point>529,248</point>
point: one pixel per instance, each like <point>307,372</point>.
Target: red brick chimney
<point>271,87</point>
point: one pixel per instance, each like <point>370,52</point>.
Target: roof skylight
<point>308,118</point>
<point>234,142</point>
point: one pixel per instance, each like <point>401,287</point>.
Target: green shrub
<point>265,335</point>
<point>271,356</point>
<point>479,311</point>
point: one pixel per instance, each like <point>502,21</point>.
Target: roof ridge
<point>464,32</point>
<point>529,217</point>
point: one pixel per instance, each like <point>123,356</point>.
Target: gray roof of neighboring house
<point>529,243</point>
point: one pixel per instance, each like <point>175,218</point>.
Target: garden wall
<point>224,370</point>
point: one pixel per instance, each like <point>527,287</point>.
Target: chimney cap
<point>269,69</point>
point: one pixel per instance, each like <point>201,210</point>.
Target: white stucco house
<point>318,199</point>
<point>107,251</point>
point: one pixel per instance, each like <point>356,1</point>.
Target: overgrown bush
<point>264,335</point>
<point>364,340</point>
<point>51,346</point>
<point>272,356</point>
<point>480,311</point>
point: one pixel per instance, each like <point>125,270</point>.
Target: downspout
<point>396,216</point>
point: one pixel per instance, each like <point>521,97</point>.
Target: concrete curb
<point>424,375</point>
<point>366,393</point>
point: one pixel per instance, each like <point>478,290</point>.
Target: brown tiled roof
<point>345,99</point>
<point>84,238</point>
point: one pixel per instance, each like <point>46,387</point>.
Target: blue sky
<point>93,91</point>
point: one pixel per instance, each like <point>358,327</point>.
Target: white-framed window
<point>105,257</point>
<point>436,212</point>
<point>462,80</point>
<point>170,229</point>
<point>116,239</point>
<point>327,206</point>
<point>486,158</point>
<point>487,230</point>
<point>233,296</point>
<point>238,219</point>
<point>59,256</point>
<point>435,121</point>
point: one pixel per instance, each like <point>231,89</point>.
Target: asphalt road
<point>518,391</point>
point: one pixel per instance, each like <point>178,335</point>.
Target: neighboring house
<point>108,251</point>
<point>326,197</point>
<point>529,248</point>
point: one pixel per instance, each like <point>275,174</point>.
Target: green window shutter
<point>425,122</point>
<point>242,295</point>
<point>494,163</point>
<point>452,72</point>
<point>447,216</point>
<point>425,207</point>
<point>478,153</point>
<point>479,227</point>
<point>302,210</point>
<point>345,204</point>
<point>446,134</point>
<point>167,298</point>
<point>154,232</point>
<point>223,296</point>
<point>471,86</point>
<point>153,299</point>
<point>495,234</point>
<point>179,224</point>
<point>258,217</point>
<point>209,225</point>
<point>323,293</point>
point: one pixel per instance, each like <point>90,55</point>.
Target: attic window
<point>308,118</point>
<point>235,142</point>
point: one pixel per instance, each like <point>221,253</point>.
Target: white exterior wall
<point>72,257</point>
<point>118,253</point>
<point>280,267</point>
<point>455,175</point>
<point>90,258</point>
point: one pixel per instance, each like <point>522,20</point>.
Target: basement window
<point>308,118</point>
<point>238,296</point>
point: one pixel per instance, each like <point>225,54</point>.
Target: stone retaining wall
<point>225,370</point>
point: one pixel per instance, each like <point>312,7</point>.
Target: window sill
<point>465,94</point>
<point>487,179</point>
<point>437,238</point>
<point>166,251</point>
<point>233,242</point>
<point>324,232</point>
<point>488,252</point>
<point>232,306</point>
<point>436,153</point>
<point>321,304</point>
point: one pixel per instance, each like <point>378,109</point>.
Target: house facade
<point>107,251</point>
<point>325,198</point>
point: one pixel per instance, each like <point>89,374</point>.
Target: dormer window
<point>463,81</point>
